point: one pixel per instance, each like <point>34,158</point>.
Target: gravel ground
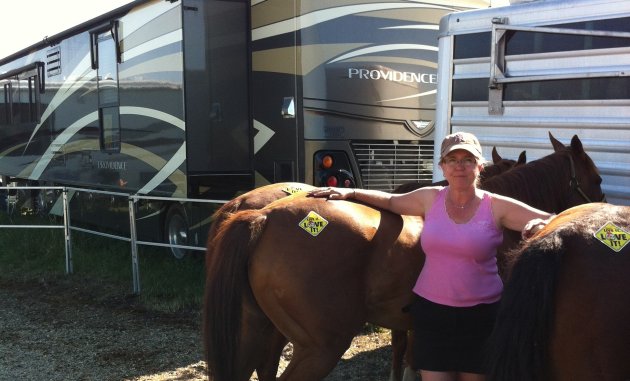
<point>73,330</point>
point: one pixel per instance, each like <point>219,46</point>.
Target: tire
<point>176,230</point>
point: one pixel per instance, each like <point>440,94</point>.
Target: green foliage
<point>167,284</point>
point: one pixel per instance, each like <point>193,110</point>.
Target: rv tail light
<point>332,181</point>
<point>332,169</point>
<point>327,162</point>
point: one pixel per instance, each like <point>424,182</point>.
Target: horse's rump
<point>565,310</point>
<point>350,256</point>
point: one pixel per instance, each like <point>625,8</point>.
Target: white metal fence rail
<point>132,239</point>
<point>65,226</point>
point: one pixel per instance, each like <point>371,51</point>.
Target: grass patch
<point>167,284</point>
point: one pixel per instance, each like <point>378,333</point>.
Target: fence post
<point>66,230</point>
<point>135,268</point>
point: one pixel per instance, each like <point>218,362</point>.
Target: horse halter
<point>575,184</point>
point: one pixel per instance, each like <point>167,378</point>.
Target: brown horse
<point>565,313</point>
<point>550,195</point>
<point>319,290</point>
<point>267,356</point>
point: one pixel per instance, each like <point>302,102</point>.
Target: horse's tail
<point>222,214</point>
<point>518,347</point>
<point>226,285</point>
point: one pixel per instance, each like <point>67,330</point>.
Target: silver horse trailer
<point>512,74</point>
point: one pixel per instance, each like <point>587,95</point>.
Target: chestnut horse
<point>267,356</point>
<point>318,270</point>
<point>565,313</point>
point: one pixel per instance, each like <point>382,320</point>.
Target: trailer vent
<point>386,165</point>
<point>53,61</point>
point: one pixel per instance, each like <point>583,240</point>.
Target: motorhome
<point>512,74</point>
<point>190,99</point>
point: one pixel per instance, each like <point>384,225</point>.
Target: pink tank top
<point>460,269</point>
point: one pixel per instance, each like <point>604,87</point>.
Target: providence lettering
<point>391,75</point>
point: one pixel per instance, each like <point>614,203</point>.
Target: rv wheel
<point>176,230</point>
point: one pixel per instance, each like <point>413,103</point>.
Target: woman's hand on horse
<point>333,193</point>
<point>534,226</point>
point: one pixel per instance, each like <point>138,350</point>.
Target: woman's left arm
<point>516,215</point>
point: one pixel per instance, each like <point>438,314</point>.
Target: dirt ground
<point>73,330</point>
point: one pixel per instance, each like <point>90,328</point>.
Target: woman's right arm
<point>412,203</point>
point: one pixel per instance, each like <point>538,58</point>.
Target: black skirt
<point>451,338</point>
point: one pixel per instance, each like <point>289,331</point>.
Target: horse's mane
<point>539,183</point>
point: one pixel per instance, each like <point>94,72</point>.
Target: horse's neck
<point>534,184</point>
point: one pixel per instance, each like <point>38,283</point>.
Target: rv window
<point>5,104</point>
<point>109,119</point>
<point>20,102</point>
<point>107,72</point>
<point>97,34</point>
<point>108,101</point>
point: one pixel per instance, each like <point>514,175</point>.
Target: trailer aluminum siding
<point>563,84</point>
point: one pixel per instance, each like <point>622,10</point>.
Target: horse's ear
<point>495,156</point>
<point>576,144</point>
<point>522,159</point>
<point>557,144</point>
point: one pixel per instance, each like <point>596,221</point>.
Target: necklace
<point>462,206</point>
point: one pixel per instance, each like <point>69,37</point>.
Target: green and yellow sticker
<point>313,223</point>
<point>613,236</point>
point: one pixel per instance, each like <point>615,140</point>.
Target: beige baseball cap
<point>461,140</point>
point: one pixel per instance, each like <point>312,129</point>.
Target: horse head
<point>500,165</point>
<point>584,184</point>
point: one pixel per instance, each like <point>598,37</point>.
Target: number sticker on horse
<point>313,223</point>
<point>613,236</point>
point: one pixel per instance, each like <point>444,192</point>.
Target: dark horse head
<point>565,178</point>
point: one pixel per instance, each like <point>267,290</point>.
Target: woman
<point>459,288</point>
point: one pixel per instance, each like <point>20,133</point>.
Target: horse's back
<point>591,329</point>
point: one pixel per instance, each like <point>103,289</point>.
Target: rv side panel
<point>106,110</point>
<point>352,80</point>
